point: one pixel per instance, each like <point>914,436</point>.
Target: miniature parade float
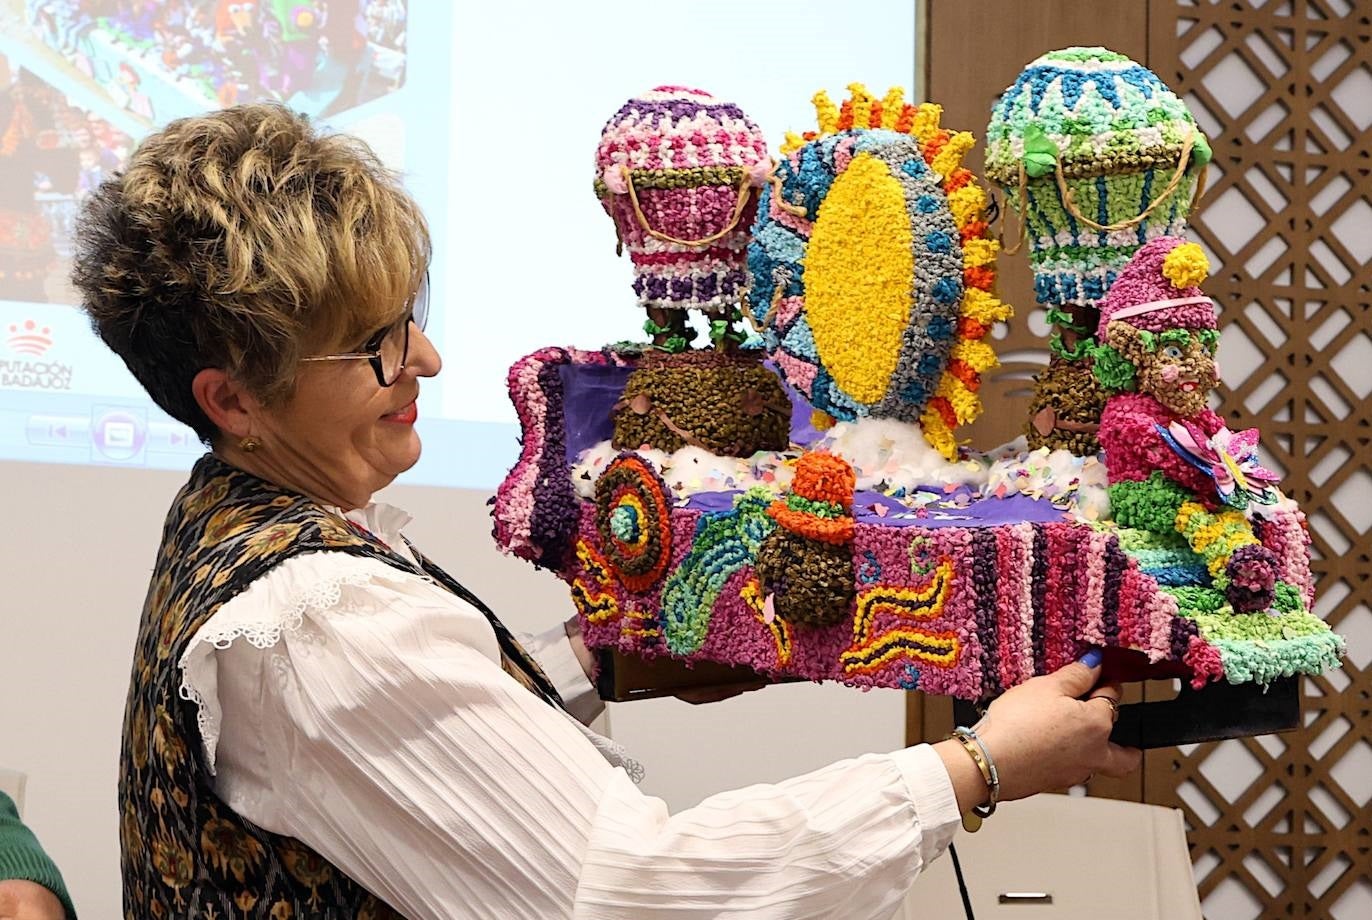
<point>796,503</point>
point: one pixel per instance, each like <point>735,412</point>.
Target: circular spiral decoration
<point>634,520</point>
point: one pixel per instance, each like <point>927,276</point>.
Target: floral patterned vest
<point>184,852</point>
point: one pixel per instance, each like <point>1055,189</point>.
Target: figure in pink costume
<point>1174,466</point>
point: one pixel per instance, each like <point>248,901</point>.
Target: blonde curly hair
<point>245,240</point>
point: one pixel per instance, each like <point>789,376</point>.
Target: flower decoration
<point>781,631</point>
<point>1088,110</point>
<point>872,272</point>
<point>1185,266</point>
<point>1173,465</point>
<point>1019,599</point>
<point>806,582</point>
<point>593,589</point>
<point>633,518</point>
<point>873,288</point>
<point>1230,458</point>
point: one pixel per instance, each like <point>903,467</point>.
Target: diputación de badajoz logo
<point>24,365</point>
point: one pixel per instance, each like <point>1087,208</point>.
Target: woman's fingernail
<point>1092,658</point>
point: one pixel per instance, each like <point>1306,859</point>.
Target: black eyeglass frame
<point>371,349</point>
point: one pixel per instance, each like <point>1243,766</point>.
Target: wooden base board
<point>1213,713</point>
<point>623,678</point>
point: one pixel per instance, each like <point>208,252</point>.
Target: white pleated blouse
<point>363,710</point>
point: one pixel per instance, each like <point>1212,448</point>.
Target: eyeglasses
<point>390,348</point>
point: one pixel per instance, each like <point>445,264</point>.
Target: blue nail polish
<point>1092,658</point>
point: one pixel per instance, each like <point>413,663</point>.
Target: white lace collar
<point>383,521</point>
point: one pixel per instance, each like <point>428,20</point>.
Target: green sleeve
<point>22,858</point>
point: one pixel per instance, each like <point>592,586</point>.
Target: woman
<point>323,723</point>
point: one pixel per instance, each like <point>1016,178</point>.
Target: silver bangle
<point>990,774</point>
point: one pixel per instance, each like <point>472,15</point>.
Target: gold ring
<point>1114,706</point>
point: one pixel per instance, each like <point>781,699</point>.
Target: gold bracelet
<point>974,747</point>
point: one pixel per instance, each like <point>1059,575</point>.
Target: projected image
<point>83,81</point>
<point>457,98</point>
<point>52,153</point>
<point>162,59</point>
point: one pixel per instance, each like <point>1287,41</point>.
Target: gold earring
<point>249,444</point>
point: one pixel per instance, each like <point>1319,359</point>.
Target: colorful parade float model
<point>791,499</point>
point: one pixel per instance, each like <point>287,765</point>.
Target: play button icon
<point>173,436</point>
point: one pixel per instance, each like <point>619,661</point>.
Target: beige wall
<point>75,561</point>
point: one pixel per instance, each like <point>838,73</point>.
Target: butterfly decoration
<point>1230,458</point>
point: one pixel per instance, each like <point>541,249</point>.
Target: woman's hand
<point>584,656</point>
<point>1053,731</point>
<point>21,900</point>
<point>690,695</point>
<point>1048,733</point>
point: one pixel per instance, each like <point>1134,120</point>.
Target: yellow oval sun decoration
<point>873,274</point>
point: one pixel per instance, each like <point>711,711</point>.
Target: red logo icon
<point>28,338</point>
